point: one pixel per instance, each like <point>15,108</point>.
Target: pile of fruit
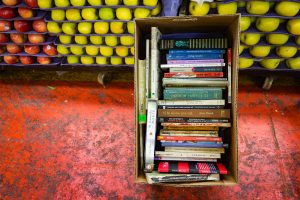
<point>23,35</point>
<point>96,32</point>
<point>270,31</point>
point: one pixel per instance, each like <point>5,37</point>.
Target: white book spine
<point>192,65</point>
<point>191,102</point>
<point>148,89</point>
<point>188,69</point>
<point>142,94</point>
<point>188,154</point>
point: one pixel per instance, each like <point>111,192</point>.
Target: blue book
<point>194,56</point>
<point>193,144</point>
<point>196,51</point>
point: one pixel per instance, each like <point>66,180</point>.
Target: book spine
<point>194,56</point>
<point>195,113</point>
<point>195,61</point>
<point>196,51</point>
<point>166,66</point>
<point>180,149</point>
<point>220,102</point>
<point>183,178</point>
<point>187,133</point>
<point>196,124</point>
<point>155,35</point>
<point>191,107</point>
<point>142,88</point>
<point>150,135</point>
<point>194,95</point>
<point>198,144</point>
<point>190,120</point>
<point>188,167</point>
<point>148,89</point>
<point>190,138</point>
<point>193,74</point>
<point>202,43</point>
<point>229,56</point>
<point>189,154</point>
<point>206,69</point>
<point>191,128</point>
<point>208,82</point>
<point>166,158</point>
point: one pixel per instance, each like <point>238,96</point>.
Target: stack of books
<point>186,108</point>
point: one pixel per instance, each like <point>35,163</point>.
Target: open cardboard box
<point>227,24</point>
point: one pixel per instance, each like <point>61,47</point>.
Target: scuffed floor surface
<point>63,140</point>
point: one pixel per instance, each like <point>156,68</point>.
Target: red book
<point>190,138</point>
<point>193,74</point>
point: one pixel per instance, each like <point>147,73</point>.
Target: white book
<point>166,158</point>
<point>176,69</point>
<point>148,89</point>
<point>220,102</point>
<point>142,93</point>
<point>191,149</point>
<point>150,135</point>
<point>188,154</point>
<point>155,71</point>
<point>165,66</point>
<point>193,82</point>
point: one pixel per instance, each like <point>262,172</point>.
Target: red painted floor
<point>75,141</point>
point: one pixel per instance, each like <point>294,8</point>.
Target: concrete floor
<point>75,140</point>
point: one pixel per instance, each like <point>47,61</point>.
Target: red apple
<point>22,25</point>
<point>32,49</point>
<point>18,38</point>
<point>50,49</point>
<point>2,49</point>
<point>13,48</point>
<point>39,26</point>
<point>10,59</point>
<point>11,2</point>
<point>31,3</point>
<point>26,60</point>
<point>7,13</point>
<point>36,38</point>
<point>5,26</point>
<point>26,13</point>
<point>3,38</point>
<point>43,60</point>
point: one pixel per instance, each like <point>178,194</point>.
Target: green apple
<point>297,40</point>
<point>287,8</point>
<point>293,63</point>
<point>122,51</point>
<point>293,26</point>
<point>213,5</point>
<point>89,14</point>
<point>123,13</point>
<point>77,2</point>
<point>277,39</point>
<point>250,38</point>
<point>111,41</point>
<point>156,10</point>
<point>73,59</point>
<point>76,50</point>
<point>241,4</point>
<point>106,51</point>
<point>44,3</point>
<point>127,40</point>
<point>150,2</point>
<point>61,49</point>
<point>130,27</point>
<point>87,60</point>
<point>81,39</point>
<point>62,3</point>
<point>117,27</point>
<point>116,61</point>
<point>53,27</point>
<point>253,19</point>
<point>245,23</point>
<point>227,8</point>
<point>141,13</point>
<point>95,39</point>
<point>69,28</point>
<point>112,2</point>
<point>65,39</point>
<point>245,62</point>
<point>73,15</point>
<point>101,27</point>
<point>58,15</point>
<point>132,50</point>
<point>101,60</point>
<point>242,47</point>
<point>95,2</point>
<point>85,27</point>
<point>286,51</point>
<point>106,13</point>
<point>197,10</point>
<point>257,7</point>
<point>131,2</point>
<point>270,63</point>
<point>260,51</point>
<point>92,50</point>
<point>267,24</point>
<point>129,60</point>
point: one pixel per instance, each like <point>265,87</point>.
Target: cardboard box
<point>228,24</point>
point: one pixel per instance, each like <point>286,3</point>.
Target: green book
<point>192,93</point>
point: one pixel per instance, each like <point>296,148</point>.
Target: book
<point>191,128</point>
<point>182,149</point>
<point>190,120</point>
<point>147,62</point>
<point>195,113</point>
<point>155,55</point>
<point>229,73</point>
<point>189,133</point>
<point>187,154</point>
<point>196,69</point>
<point>192,167</point>
<point>196,124</point>
<point>193,144</point>
<point>195,43</point>
<point>193,56</point>
<point>167,66</point>
<point>196,51</point>
<point>195,61</point>
<point>191,107</point>
<point>194,82</point>
<point>217,102</point>
<point>150,135</point>
<point>193,74</point>
<point>166,158</point>
<point>186,93</point>
<point>155,177</point>
<point>189,138</point>
<point>142,91</point>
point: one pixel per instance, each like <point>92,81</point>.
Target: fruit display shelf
<point>272,54</point>
<point>28,62</point>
